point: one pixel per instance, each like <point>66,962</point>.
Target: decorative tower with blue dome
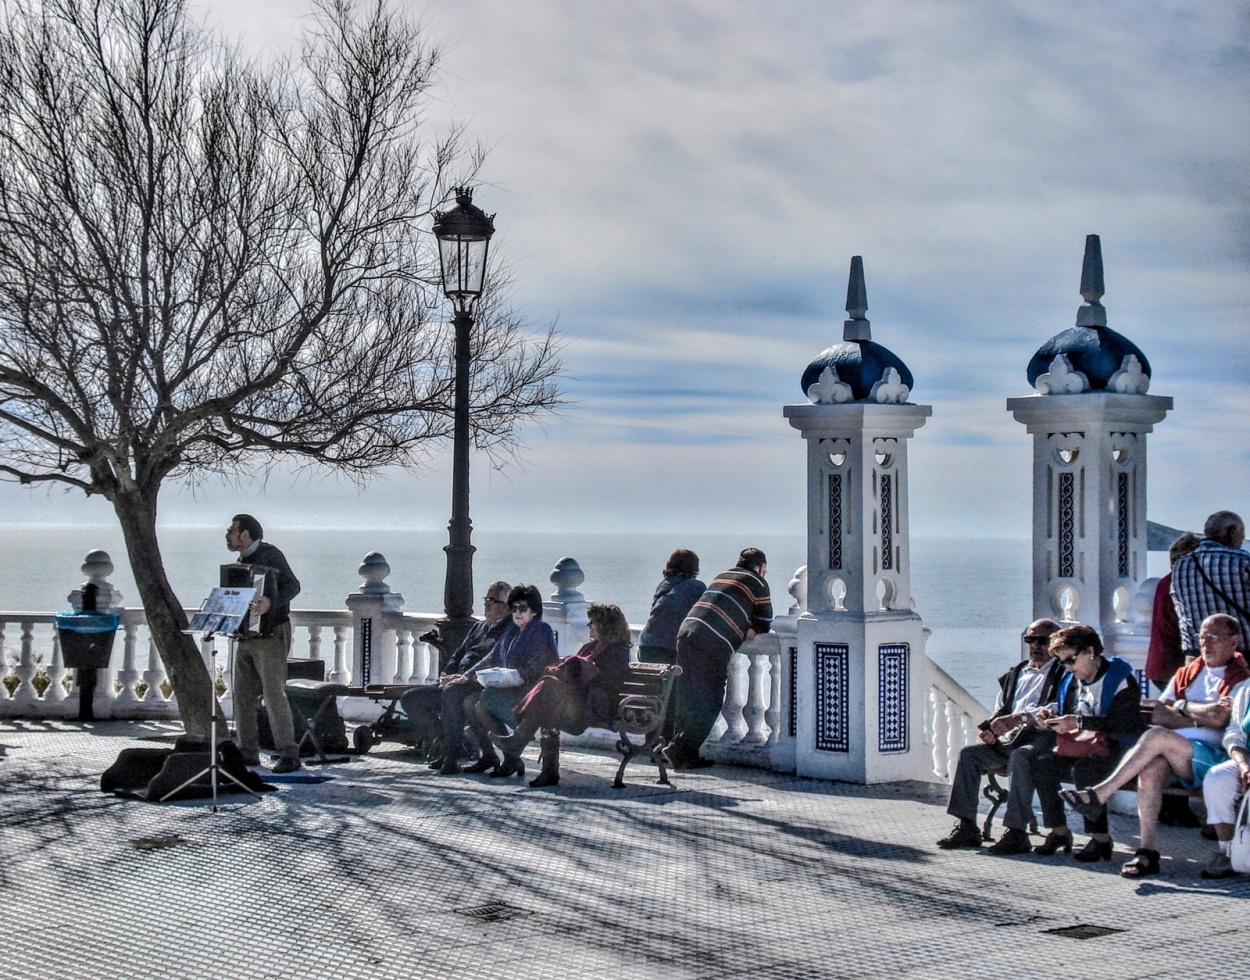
<point>1089,419</point>
<point>858,684</point>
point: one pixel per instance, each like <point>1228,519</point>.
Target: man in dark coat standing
<point>260,659</point>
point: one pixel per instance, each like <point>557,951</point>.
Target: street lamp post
<point>463,239</point>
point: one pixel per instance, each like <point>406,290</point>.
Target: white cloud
<point>684,182</point>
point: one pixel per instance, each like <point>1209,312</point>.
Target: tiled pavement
<point>728,873</point>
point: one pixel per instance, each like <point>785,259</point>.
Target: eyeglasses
<point>490,600</point>
<point>1204,635</point>
<point>1037,639</point>
<point>1069,661</point>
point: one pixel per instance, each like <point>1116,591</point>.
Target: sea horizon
<point>973,593</point>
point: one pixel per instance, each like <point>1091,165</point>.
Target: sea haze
<point>974,594</point>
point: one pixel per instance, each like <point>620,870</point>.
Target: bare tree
<point>208,266</point>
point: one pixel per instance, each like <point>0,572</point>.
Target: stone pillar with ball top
<point>1089,419</point>
<point>859,687</point>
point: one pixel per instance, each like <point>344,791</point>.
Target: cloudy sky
<point>682,184</point>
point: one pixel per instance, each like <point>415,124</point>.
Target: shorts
<point>1206,755</point>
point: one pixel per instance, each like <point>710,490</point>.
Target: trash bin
<point>87,638</point>
<point>86,645</point>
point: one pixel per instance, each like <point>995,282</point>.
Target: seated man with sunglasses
<point>1008,738</point>
<point>439,711</point>
<point>1184,742</point>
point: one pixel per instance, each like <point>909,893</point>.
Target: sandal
<point>1084,802</point>
<point>1145,863</point>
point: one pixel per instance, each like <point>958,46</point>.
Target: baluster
<point>940,733</point>
<point>340,674</point>
<point>155,673</point>
<point>26,669</point>
<point>314,642</point>
<point>735,701</point>
<point>57,673</point>
<point>420,662</point>
<point>129,675</point>
<point>954,739</point>
<point>403,655</point>
<point>4,666</point>
<point>772,714</point>
<point>753,710</point>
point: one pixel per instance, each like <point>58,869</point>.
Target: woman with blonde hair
<point>580,692</point>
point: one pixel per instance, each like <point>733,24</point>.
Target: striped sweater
<point>735,601</point>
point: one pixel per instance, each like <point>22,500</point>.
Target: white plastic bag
<point>499,677</point>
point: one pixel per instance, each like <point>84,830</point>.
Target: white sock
<point>1223,846</point>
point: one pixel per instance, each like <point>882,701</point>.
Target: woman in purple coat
<point>580,692</point>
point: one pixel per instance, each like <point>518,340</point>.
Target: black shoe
<point>485,764</point>
<point>1145,862</point>
<point>1013,842</point>
<point>964,834</point>
<point>450,766</point>
<point>1208,833</point>
<point>1095,850</point>
<point>1054,841</point>
<point>1084,802</point>
<point>512,765</point>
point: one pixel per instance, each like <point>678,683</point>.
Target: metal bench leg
<point>995,793</point>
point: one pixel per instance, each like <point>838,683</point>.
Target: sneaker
<point>285,765</point>
<point>1013,842</point>
<point>965,834</point>
<point>1219,867</point>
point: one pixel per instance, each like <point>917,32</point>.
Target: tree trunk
<point>184,665</point>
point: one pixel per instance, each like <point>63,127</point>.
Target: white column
<point>860,677</point>
<point>1089,503</point>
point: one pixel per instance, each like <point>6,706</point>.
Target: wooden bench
<point>640,714</point>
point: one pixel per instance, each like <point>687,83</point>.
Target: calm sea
<point>974,594</point>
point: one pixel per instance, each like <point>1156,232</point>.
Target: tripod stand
<point>213,769</point>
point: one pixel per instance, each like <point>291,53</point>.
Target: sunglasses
<point>519,608</point>
<point>1069,661</point>
<point>1037,639</point>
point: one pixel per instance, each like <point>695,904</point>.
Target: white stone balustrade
<point>756,727</point>
<point>951,719</point>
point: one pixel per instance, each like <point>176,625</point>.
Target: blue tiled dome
<point>1091,348</point>
<point>1097,352</point>
<point>860,362</point>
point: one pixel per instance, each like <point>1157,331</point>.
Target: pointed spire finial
<point>1092,313</point>
<point>858,327</point>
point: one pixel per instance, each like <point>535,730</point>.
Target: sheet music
<point>224,611</point>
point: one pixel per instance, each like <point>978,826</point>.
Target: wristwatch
<point>1182,707</point>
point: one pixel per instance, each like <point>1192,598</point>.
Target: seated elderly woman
<point>578,693</point>
<point>517,660</point>
<point>1227,782</point>
<point>1096,718</point>
<point>1185,740</point>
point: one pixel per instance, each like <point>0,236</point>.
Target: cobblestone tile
<point>726,873</point>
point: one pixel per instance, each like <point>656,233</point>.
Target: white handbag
<point>1239,847</point>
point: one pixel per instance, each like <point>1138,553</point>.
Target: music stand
<point>223,613</point>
